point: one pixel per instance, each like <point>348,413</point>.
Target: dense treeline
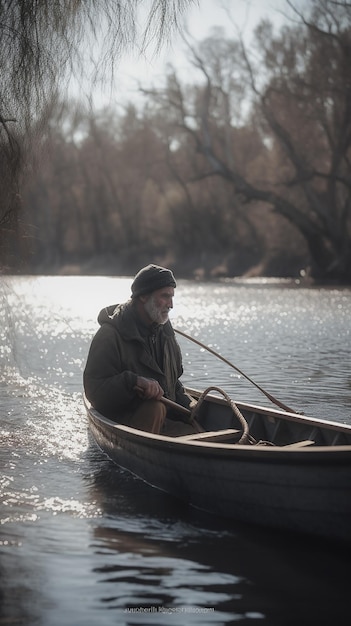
<point>119,190</point>
<point>246,171</point>
<point>43,45</point>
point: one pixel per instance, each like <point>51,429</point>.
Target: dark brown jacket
<point>120,352</point>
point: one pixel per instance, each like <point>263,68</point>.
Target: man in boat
<point>134,361</point>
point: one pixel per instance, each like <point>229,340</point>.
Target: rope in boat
<point>245,435</point>
<point>245,438</point>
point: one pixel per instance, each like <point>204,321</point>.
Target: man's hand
<point>148,388</point>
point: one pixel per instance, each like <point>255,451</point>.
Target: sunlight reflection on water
<point>293,341</point>
<point>73,526</point>
<point>289,340</point>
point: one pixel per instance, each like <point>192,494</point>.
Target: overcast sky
<point>199,21</point>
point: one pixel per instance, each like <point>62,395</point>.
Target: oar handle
<point>175,405</point>
<point>170,403</point>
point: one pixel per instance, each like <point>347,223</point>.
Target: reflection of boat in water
<point>285,470</point>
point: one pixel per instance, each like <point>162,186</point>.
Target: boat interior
<point>222,422</point>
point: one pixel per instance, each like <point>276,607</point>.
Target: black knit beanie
<point>151,278</point>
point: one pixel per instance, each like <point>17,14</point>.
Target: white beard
<point>157,315</point>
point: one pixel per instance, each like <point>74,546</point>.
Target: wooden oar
<point>175,406</point>
<point>268,395</point>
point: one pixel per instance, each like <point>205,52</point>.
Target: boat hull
<point>303,490</point>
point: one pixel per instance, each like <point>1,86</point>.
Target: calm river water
<point>84,543</point>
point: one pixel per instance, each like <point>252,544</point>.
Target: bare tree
<point>211,149</point>
<point>300,88</point>
<point>306,106</point>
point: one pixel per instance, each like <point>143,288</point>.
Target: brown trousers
<point>152,417</point>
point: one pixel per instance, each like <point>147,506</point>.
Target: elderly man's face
<point>158,304</point>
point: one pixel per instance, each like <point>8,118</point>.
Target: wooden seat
<point>300,444</point>
<point>213,435</point>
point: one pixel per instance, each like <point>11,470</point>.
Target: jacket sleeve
<point>182,397</point>
<point>107,385</point>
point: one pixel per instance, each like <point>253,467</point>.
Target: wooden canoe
<point>301,483</point>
